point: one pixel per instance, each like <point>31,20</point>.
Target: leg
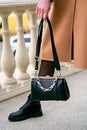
<point>46,68</point>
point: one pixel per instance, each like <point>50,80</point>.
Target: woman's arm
<point>42,8</point>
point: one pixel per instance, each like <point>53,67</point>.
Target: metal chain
<point>49,88</point>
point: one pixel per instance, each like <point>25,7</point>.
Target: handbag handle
<point>38,45</point>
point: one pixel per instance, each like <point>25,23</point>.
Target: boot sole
<point>39,114</point>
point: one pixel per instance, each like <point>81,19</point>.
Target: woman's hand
<point>43,8</point>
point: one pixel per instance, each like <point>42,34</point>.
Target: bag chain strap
<point>49,88</point>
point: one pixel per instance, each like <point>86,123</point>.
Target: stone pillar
<point>33,29</point>
<point>7,58</point>
<point>22,59</point>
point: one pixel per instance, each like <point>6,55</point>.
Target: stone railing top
<point>15,4</point>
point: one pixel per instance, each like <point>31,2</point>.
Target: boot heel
<point>38,114</point>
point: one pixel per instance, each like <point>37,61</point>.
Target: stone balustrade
<point>17,71</point>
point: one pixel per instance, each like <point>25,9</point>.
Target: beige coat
<point>68,17</point>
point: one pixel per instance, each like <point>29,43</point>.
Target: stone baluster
<point>33,29</point>
<point>22,59</point>
<point>7,58</point>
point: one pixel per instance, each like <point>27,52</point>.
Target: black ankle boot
<point>28,110</point>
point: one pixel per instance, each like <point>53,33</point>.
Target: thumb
<point>45,15</point>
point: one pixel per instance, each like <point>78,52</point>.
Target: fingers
<point>45,15</point>
<point>41,13</point>
<point>42,8</point>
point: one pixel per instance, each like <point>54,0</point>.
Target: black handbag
<point>48,88</point>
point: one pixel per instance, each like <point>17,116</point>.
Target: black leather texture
<point>59,92</point>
